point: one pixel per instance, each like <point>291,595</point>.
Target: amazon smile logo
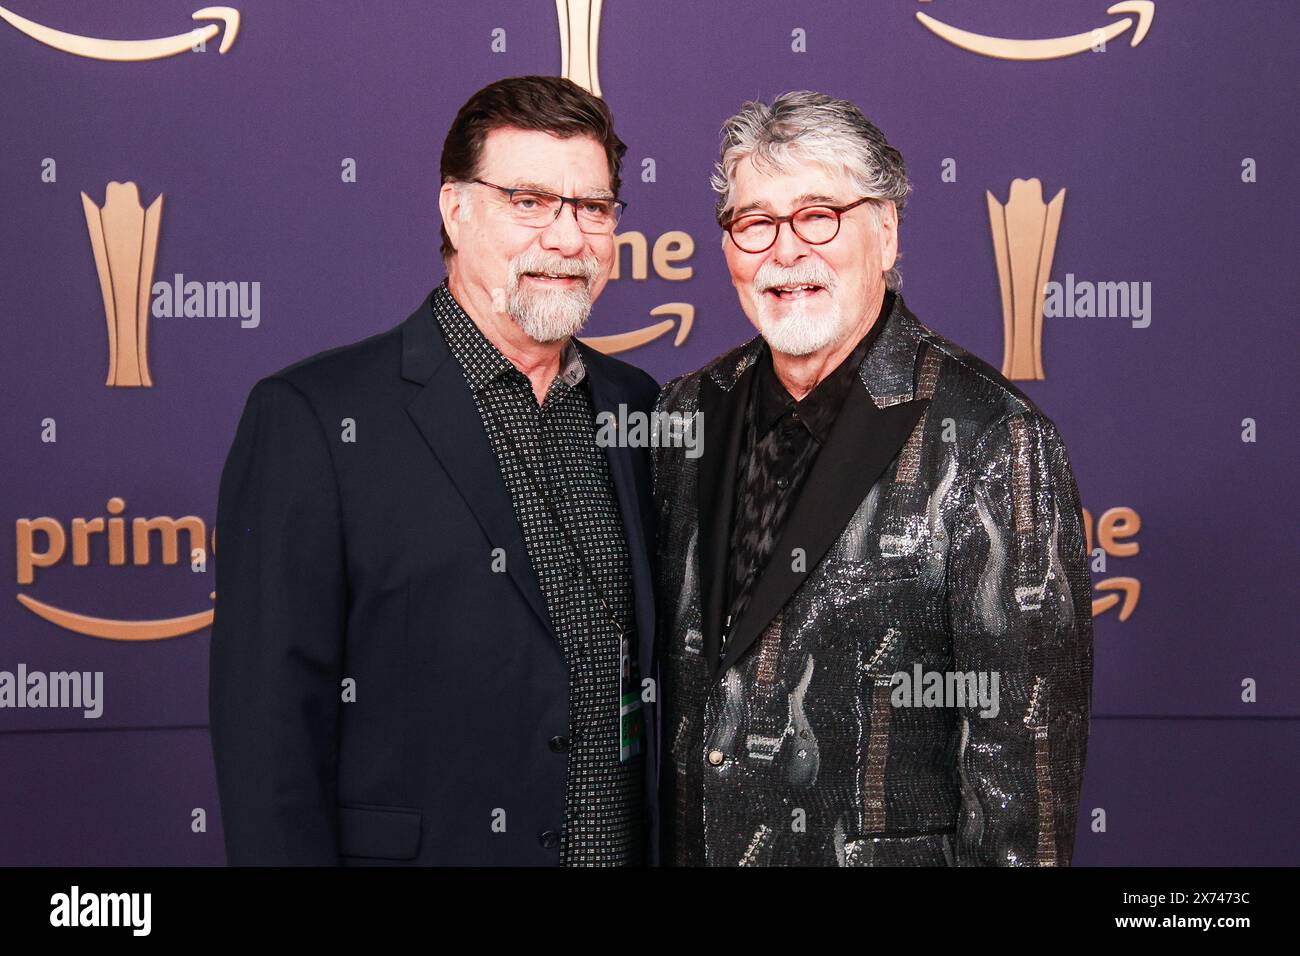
<point>1052,48</point>
<point>43,542</point>
<point>625,341</point>
<point>123,51</point>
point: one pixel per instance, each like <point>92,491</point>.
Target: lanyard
<point>555,516</point>
<point>630,723</point>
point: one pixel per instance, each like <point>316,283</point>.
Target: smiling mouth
<point>797,291</point>
<point>553,277</point>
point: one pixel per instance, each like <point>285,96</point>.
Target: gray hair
<point>831,132</point>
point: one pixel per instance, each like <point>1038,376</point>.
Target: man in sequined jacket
<point>875,640</point>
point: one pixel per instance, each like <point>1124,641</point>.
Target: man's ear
<point>887,231</point>
<point>449,204</point>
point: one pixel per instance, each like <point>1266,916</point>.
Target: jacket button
<point>549,839</point>
<point>559,744</point>
<point>716,757</point>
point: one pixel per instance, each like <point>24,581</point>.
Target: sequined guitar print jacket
<point>936,544</point>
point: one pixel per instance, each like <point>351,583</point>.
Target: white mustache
<point>535,261</point>
<point>809,272</point>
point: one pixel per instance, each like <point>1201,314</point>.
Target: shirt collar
<point>482,361</point>
<point>819,408</point>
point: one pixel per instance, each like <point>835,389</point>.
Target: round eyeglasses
<point>533,207</point>
<point>815,225</point>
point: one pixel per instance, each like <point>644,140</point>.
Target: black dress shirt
<point>780,442</point>
<point>554,445</point>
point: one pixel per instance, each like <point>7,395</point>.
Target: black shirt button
<point>782,483</point>
<point>549,839</point>
<point>559,744</point>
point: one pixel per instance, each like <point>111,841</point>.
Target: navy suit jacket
<point>379,693</point>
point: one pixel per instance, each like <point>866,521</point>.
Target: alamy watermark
<point>208,300</point>
<point>77,690</point>
<point>130,910</point>
<point>638,429</point>
<point>1083,299</point>
<point>946,689</point>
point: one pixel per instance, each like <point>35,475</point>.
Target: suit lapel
<point>862,443</point>
<point>722,413</point>
<point>447,417</point>
<point>620,458</point>
<point>879,414</point>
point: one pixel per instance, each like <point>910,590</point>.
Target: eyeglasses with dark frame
<point>816,225</point>
<point>595,215</point>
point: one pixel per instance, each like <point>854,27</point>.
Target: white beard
<point>548,315</point>
<point>800,330</point>
<point>801,326</point>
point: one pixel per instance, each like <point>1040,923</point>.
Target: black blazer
<point>379,694</point>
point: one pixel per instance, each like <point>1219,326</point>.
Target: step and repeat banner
<point>192,198</point>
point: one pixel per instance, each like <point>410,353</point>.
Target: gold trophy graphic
<point>1024,241</point>
<point>124,238</point>
<point>579,38</point>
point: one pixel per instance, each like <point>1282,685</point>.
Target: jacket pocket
<point>381,832</point>
<point>916,848</point>
<point>881,569</point>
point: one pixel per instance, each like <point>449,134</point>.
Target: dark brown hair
<point>550,104</point>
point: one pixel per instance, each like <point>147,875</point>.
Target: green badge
<point>629,702</point>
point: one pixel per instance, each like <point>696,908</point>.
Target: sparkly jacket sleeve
<point>1019,607</point>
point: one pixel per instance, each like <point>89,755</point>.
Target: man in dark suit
<point>434,618</point>
<point>875,621</point>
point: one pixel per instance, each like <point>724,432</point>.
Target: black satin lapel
<point>862,443</point>
<point>722,413</point>
<point>445,413</point>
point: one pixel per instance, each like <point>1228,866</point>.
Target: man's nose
<point>563,234</point>
<point>788,248</point>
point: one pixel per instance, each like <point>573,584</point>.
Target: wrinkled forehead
<point>760,184</point>
<point>534,159</point>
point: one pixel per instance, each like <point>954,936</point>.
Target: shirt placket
<point>548,464</point>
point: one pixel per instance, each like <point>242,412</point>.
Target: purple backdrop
<point>246,148</point>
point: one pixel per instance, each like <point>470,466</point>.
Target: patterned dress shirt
<point>553,468</point>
